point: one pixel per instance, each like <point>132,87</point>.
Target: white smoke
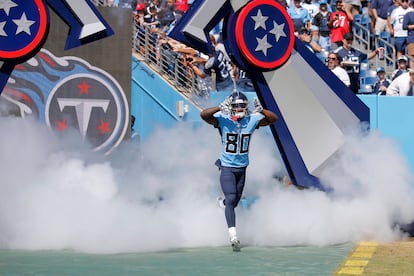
<point>56,194</point>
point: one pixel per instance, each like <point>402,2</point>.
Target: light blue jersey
<point>235,138</point>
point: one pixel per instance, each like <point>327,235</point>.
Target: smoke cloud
<point>57,194</point>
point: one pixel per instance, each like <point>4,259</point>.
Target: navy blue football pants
<point>232,183</point>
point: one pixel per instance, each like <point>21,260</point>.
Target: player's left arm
<point>269,118</point>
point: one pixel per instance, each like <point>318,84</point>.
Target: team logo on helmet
<point>264,34</point>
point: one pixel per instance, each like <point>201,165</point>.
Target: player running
<point>236,124</point>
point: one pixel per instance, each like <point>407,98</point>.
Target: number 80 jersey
<point>235,138</point>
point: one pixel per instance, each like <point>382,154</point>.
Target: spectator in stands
<point>380,12</point>
<point>151,26</point>
<point>166,17</point>
<point>139,24</point>
<point>366,7</point>
<point>203,85</point>
<point>351,60</point>
<point>217,42</point>
<point>151,19</point>
<point>396,4</point>
<point>402,86</point>
<point>311,7</point>
<point>352,6</point>
<point>162,3</point>
<point>181,6</point>
<point>339,25</point>
<point>321,20</point>
<point>134,3</point>
<point>217,68</point>
<point>156,4</point>
<point>402,67</point>
<point>299,15</point>
<point>397,31</point>
<point>408,24</point>
<point>170,5</point>
<point>283,3</point>
<point>305,36</point>
<point>334,61</point>
<point>380,87</point>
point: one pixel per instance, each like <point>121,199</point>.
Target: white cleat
<point>220,202</point>
<point>235,244</point>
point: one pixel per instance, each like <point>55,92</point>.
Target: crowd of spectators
<point>325,26</point>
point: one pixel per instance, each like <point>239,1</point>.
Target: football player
<point>236,125</point>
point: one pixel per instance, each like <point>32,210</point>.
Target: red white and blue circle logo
<point>265,34</point>
<point>23,28</point>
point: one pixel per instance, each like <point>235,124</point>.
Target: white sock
<point>232,232</point>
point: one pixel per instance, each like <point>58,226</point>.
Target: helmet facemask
<point>239,108</point>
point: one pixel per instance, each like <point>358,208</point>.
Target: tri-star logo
<point>263,35</point>
<point>24,26</point>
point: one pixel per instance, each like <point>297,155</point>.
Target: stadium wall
<point>154,102</point>
<point>394,117</point>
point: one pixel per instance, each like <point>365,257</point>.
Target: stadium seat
<point>366,72</point>
<point>365,89</point>
<point>386,36</point>
<point>367,81</point>
<point>356,23</point>
<point>366,33</point>
<point>363,67</point>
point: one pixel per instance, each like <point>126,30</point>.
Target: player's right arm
<point>208,115</point>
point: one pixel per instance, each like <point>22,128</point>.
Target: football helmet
<point>239,105</point>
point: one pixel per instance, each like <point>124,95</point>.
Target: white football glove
<point>257,106</point>
<point>225,106</point>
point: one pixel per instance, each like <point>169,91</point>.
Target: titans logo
<point>314,107</point>
<point>69,93</point>
<point>24,27</point>
<point>263,35</point>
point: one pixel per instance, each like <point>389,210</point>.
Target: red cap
<point>140,7</point>
<point>181,5</point>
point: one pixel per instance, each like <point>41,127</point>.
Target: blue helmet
<point>239,105</point>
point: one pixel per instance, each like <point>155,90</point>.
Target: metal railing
<point>364,38</point>
<point>150,46</point>
<point>103,3</point>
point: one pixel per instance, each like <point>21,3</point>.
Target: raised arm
<point>208,115</point>
<point>269,118</point>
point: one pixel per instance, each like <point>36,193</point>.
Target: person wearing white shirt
<point>400,35</point>
<point>402,86</point>
<point>333,63</point>
<point>313,8</point>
